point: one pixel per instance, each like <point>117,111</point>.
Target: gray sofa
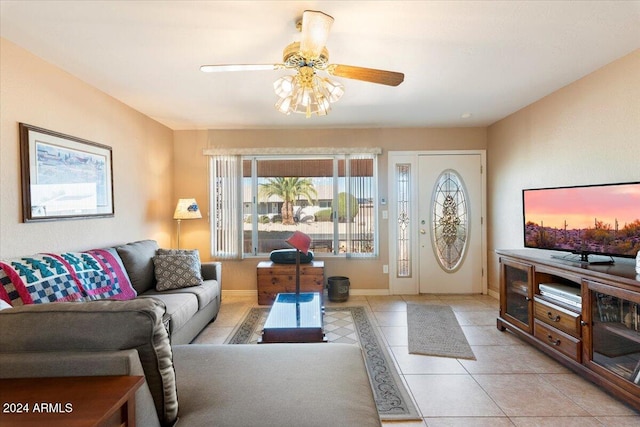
<point>190,290</point>
<point>188,385</point>
<point>189,309</point>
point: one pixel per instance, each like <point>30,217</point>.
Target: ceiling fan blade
<point>383,77</point>
<point>238,67</point>
<point>315,32</point>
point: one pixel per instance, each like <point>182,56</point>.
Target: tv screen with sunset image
<point>595,219</point>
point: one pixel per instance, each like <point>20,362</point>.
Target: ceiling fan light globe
<point>306,98</point>
<point>334,89</point>
<point>284,86</point>
<point>284,105</point>
<point>324,106</point>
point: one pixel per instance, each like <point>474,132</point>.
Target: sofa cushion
<point>176,271</point>
<point>99,326</point>
<point>180,308</point>
<point>38,279</point>
<point>137,259</point>
<point>284,385</point>
<point>207,292</point>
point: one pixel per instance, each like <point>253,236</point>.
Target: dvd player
<point>563,293</point>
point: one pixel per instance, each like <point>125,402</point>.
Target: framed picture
<point>64,177</point>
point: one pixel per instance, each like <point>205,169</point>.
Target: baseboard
<point>254,293</point>
<point>239,293</point>
<point>494,294</point>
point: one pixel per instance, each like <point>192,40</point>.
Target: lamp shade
<point>300,241</point>
<point>187,209</point>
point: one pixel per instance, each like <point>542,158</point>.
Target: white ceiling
<point>487,58</point>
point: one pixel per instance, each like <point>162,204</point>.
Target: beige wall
<point>191,181</point>
<point>40,94</point>
<point>585,133</point>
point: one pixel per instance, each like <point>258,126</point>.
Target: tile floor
<point>510,383</point>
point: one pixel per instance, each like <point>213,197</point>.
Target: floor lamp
<point>186,209</point>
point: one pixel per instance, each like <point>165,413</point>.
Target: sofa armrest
<point>212,270</point>
<point>89,364</point>
<point>99,326</point>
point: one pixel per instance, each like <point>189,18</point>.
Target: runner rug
<point>350,325</point>
<point>435,331</point>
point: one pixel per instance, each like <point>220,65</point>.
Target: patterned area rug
<point>350,325</point>
<point>434,331</point>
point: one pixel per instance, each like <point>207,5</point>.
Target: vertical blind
<point>225,203</point>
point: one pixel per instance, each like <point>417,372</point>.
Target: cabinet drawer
<point>557,317</point>
<point>562,342</point>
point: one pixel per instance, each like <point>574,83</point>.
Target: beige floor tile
<point>528,395</point>
<point>451,396</point>
<point>403,424</point>
<point>391,318</point>
<point>469,422</point>
<point>510,359</point>
<point>555,422</point>
<point>393,303</point>
<point>353,300</point>
<point>421,298</point>
<point>478,318</point>
<point>457,297</point>
<point>467,305</point>
<point>419,364</point>
<point>395,335</point>
<point>632,421</point>
<point>488,335</point>
<point>594,400</point>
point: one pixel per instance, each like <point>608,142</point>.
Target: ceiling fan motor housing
<point>293,58</point>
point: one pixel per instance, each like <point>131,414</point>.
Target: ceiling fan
<point>306,92</point>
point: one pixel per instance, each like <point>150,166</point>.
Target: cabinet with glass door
<point>516,299</point>
<point>614,319</point>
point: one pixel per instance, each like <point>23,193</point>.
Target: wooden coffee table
<point>295,319</point>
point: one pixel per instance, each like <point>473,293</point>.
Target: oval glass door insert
<point>449,220</point>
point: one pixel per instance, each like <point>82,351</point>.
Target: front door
<point>437,239</point>
<point>450,223</point>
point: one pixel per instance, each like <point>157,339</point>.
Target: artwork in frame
<point>64,177</point>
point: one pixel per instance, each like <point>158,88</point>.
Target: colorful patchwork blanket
<point>70,276</point>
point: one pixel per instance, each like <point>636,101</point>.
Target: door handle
<point>423,231</point>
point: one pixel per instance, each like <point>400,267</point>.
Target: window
<point>257,201</point>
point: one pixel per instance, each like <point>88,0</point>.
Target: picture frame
<point>64,177</point>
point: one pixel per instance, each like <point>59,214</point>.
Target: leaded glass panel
<point>449,220</point>
<point>403,174</point>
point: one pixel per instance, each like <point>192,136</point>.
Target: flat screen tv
<point>591,219</point>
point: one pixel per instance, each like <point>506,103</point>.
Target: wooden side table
<point>69,401</point>
<point>281,278</point>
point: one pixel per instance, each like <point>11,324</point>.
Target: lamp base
<point>179,221</point>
